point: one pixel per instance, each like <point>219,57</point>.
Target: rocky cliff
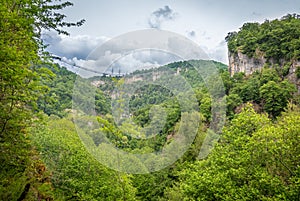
<point>239,62</point>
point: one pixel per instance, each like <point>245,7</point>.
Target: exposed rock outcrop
<point>292,76</point>
<point>239,62</point>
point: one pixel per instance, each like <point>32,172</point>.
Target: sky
<point>205,22</point>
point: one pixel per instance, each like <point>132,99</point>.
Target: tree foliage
<point>21,50</point>
<point>76,174</point>
<point>276,39</point>
<point>257,157</point>
<point>58,98</point>
<point>255,160</point>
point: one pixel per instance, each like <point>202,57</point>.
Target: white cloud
<point>86,55</point>
<point>219,52</point>
<point>130,63</point>
<point>137,60</point>
<point>71,46</point>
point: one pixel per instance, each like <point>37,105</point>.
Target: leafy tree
<point>255,160</point>
<point>205,108</point>
<point>275,96</point>
<point>269,74</point>
<point>58,99</point>
<point>227,81</point>
<point>277,39</point>
<point>21,50</point>
<point>248,89</point>
<point>232,101</point>
<point>76,174</point>
<point>266,89</point>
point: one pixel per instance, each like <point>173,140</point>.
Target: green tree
<point>275,40</point>
<point>205,107</point>
<point>76,174</point>
<point>21,51</point>
<point>232,101</point>
<point>255,160</point>
<point>275,96</point>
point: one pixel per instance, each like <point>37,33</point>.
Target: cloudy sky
<point>205,22</point>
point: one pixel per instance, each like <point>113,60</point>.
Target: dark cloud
<point>162,14</point>
<point>191,33</point>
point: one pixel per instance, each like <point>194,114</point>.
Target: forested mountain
<point>273,43</point>
<point>57,129</point>
<point>276,39</point>
<point>267,94</point>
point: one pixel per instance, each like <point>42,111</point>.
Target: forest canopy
<point>273,39</point>
<point>42,155</point>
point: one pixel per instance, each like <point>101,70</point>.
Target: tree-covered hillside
<point>276,39</point>
<point>268,95</point>
<point>58,98</point>
<point>256,158</point>
<point>63,137</point>
<point>23,175</point>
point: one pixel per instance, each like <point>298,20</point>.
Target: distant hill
<point>59,97</point>
<point>188,69</point>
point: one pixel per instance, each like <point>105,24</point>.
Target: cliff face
<point>239,62</point>
<point>242,63</point>
<point>292,75</point>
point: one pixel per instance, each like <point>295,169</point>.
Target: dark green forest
<point>274,39</point>
<point>46,123</point>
